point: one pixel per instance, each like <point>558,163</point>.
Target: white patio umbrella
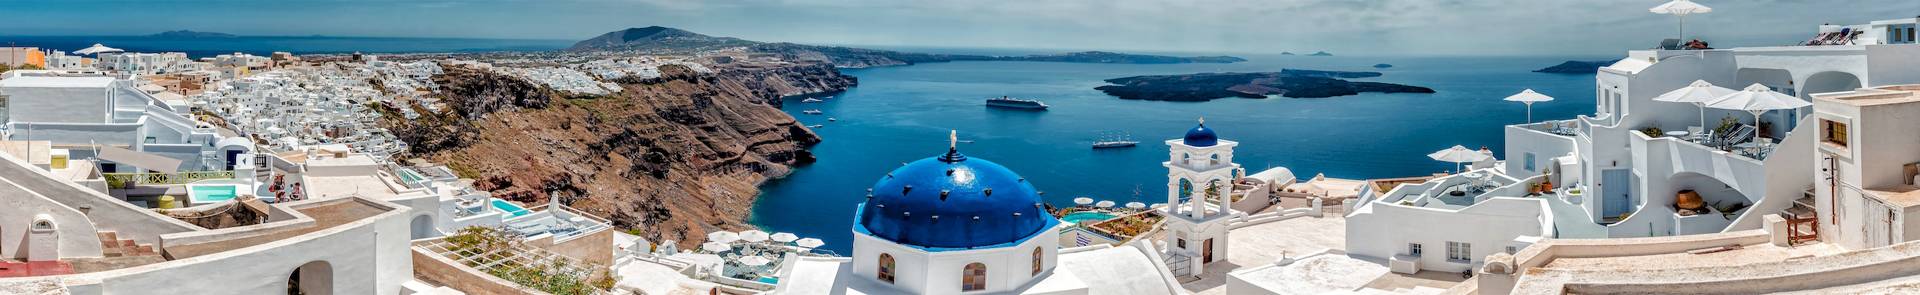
<point>784,237</point>
<point>755,260</point>
<point>753,236</point>
<point>1104,204</point>
<point>1136,205</point>
<point>723,237</point>
<point>809,243</point>
<point>1681,8</point>
<point>1083,200</point>
<point>97,49</point>
<point>715,247</point>
<point>1757,99</point>
<point>1698,94</point>
<point>1529,97</point>
<point>1457,154</point>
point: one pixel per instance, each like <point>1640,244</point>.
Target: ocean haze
<point>1384,27</point>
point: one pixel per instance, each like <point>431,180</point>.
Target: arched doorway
<point>423,227</point>
<point>313,278</point>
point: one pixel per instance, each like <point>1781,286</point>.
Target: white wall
<point>1384,230</point>
<point>918,271</point>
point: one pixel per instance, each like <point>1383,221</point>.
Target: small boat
<point>1015,103</point>
<point>832,119</point>
<point>811,100</point>
<point>812,112</point>
<point>816,126</point>
<point>1114,140</point>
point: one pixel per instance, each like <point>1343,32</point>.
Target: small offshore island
<point>1287,83</point>
<point>1576,67</point>
<point>665,40</point>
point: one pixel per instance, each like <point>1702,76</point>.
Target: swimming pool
<point>203,194</point>
<point>511,209</point>
<point>1077,217</point>
<point>410,177</point>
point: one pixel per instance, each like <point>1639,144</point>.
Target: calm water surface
<point>901,114</point>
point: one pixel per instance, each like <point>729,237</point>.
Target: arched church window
<point>886,268</point>
<point>1037,256</point>
<point>974,277</point>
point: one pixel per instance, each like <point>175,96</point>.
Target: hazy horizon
<point>1346,27</point>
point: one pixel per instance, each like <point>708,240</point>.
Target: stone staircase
<point>112,246</point>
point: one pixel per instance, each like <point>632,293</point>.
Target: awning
<point>139,159</point>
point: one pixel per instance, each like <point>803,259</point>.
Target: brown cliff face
<point>674,156</point>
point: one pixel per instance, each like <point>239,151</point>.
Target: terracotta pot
<point>1690,200</point>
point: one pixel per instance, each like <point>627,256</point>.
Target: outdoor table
<point>1677,133</point>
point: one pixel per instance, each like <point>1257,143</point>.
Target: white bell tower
<point>1200,175</point>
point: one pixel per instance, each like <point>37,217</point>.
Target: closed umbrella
<point>784,237</point>
<point>723,237</point>
<point>753,236</point>
<point>1529,97</point>
<point>809,243</point>
<point>1681,8</point>
<point>1083,200</point>
<point>1698,93</point>
<point>1457,154</point>
<point>715,247</point>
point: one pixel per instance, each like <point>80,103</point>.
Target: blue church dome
<point>1201,136</point>
<point>953,202</point>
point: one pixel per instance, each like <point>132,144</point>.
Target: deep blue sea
<point>902,114</point>
<point>262,45</point>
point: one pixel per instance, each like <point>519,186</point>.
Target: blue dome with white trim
<point>952,201</point>
<point>1201,136</point>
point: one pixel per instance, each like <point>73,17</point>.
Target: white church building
<point>951,224</point>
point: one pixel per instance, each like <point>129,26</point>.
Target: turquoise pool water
<point>769,280</point>
<point>410,176</point>
<point>1077,217</point>
<point>211,193</point>
<point>511,209</point>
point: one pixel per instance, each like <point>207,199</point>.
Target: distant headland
<point>657,39</point>
<point>1286,83</point>
<point>192,34</point>
<point>1577,67</point>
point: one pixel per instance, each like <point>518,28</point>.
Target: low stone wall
<point>596,248</point>
<point>460,277</point>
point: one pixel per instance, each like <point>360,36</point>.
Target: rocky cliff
<point>674,156</point>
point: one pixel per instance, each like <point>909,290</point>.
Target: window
<point>1413,249</point>
<point>886,268</point>
<point>1833,132</point>
<point>1037,259</point>
<point>1529,162</point>
<point>1459,252</point>
<point>974,277</point>
<point>1180,243</point>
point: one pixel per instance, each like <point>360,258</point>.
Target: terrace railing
<point>128,180</point>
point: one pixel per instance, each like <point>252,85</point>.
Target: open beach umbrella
<point>715,247</point>
<point>1104,204</point>
<point>723,237</point>
<point>784,237</point>
<point>1083,200</point>
<point>1757,99</point>
<point>809,243</point>
<point>753,236</point>
<point>97,49</point>
<point>1529,97</point>
<point>1681,8</point>
<point>755,260</point>
<point>1136,205</point>
<point>1698,94</point>
<point>1457,154</point>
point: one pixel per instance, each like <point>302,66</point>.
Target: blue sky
<point>1400,27</point>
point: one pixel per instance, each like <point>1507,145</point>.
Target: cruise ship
<point>1015,103</point>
